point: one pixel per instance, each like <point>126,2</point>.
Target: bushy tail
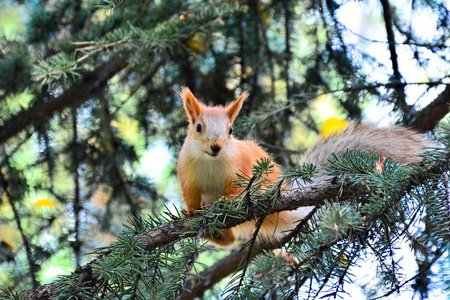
<point>396,142</point>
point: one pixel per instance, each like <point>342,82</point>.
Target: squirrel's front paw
<point>189,213</point>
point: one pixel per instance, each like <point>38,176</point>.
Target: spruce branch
<point>73,96</point>
<point>172,231</point>
<point>161,38</point>
<point>61,66</point>
<point>288,200</point>
<point>191,262</point>
<point>320,250</point>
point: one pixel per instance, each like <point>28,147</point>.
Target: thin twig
<point>99,48</point>
<point>250,246</point>
<point>425,45</point>
<point>438,255</point>
<point>191,263</point>
<point>76,200</point>
<point>388,22</point>
<point>26,242</point>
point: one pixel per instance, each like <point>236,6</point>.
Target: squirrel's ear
<point>191,104</point>
<point>234,108</point>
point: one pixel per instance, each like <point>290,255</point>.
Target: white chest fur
<point>212,178</point>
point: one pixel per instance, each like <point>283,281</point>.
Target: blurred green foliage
<point>70,181</point>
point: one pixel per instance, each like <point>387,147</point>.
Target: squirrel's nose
<point>216,148</point>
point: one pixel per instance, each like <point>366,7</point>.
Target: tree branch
<point>289,200</point>
<point>25,240</point>
<point>197,285</point>
<point>73,96</point>
<point>226,266</point>
<point>393,52</point>
<point>429,117</point>
<point>77,206</point>
<point>170,232</point>
<point>390,37</point>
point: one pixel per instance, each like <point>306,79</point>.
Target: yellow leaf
<point>265,18</point>
<point>197,43</point>
<point>264,15</point>
<point>333,126</point>
<point>45,203</point>
<point>128,128</point>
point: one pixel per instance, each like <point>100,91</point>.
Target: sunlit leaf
<point>333,126</point>
<point>45,203</point>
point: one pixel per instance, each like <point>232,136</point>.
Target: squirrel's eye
<point>199,127</point>
<point>231,130</point>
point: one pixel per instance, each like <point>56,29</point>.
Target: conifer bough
<point>73,96</point>
<point>170,232</point>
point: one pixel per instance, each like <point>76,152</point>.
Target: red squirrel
<point>211,158</point>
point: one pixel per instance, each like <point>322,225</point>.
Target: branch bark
<point>429,117</point>
<point>315,196</point>
<point>387,15</point>
<point>26,242</point>
<point>289,200</point>
<point>206,279</point>
<point>197,285</point>
<point>73,96</point>
<point>170,232</point>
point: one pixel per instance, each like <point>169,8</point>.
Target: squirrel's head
<point>210,128</point>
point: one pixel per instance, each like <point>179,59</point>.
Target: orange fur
<point>205,176</point>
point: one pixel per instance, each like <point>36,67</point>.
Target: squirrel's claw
<point>188,213</point>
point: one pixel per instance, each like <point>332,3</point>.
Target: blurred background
<point>91,123</point>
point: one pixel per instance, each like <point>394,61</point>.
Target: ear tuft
<point>191,105</point>
<point>234,108</point>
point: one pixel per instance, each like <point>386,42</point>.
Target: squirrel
<point>211,159</point>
